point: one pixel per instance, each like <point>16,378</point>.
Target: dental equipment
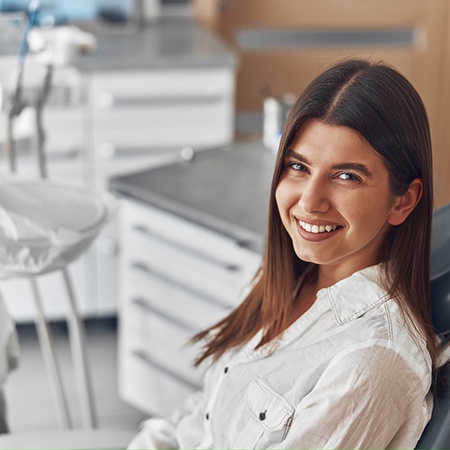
<point>75,326</point>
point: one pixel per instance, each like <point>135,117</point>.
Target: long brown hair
<point>383,107</point>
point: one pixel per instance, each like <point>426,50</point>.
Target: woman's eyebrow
<point>297,156</point>
<point>357,167</point>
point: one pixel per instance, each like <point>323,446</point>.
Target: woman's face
<point>334,199</point>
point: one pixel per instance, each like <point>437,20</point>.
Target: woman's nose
<point>314,197</point>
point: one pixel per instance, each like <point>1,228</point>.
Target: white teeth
<point>316,228</point>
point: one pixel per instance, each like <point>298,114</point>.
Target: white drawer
<point>187,255</point>
<point>110,91</point>
<point>194,273</point>
<point>176,114</point>
<point>200,123</point>
<point>137,214</point>
<point>162,108</point>
<point>149,387</point>
<point>162,341</point>
<point>167,298</point>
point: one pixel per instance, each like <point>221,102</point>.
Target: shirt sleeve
<point>368,398</point>
<point>160,433</point>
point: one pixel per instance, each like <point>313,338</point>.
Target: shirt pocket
<point>262,419</point>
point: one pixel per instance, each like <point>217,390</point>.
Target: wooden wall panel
<point>291,71</point>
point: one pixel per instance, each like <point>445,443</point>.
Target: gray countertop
<point>169,43</point>
<point>226,190</point>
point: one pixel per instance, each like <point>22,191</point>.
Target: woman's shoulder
<point>362,303</point>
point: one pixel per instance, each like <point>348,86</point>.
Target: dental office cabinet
<point>189,254</point>
<point>137,101</point>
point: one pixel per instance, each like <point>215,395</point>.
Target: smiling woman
<point>334,345</point>
<point>335,202</point>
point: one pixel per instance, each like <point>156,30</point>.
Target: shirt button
<point>207,416</point>
<point>225,370</point>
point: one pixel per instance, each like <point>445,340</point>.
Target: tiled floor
<point>29,397</point>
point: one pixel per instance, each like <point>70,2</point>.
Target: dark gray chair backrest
<point>440,270</point>
<point>437,432</point>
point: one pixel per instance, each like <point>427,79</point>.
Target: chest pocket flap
<point>267,406</point>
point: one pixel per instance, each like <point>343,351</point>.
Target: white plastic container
<point>276,110</point>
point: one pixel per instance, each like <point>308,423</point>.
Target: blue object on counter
<point>60,12</point>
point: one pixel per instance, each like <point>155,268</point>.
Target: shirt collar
<point>351,297</point>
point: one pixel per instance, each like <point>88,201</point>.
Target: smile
<point>316,229</point>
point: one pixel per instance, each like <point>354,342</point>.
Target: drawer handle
<point>149,271</point>
<point>230,267</point>
<point>108,100</point>
<point>110,150</point>
<point>144,356</point>
<point>147,307</point>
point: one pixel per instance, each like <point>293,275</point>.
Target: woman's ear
<point>405,204</point>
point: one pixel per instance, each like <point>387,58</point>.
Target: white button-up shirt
<point>349,373</point>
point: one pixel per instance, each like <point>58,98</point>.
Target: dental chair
<point>437,433</point>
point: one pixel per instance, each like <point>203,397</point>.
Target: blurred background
<point>175,107</point>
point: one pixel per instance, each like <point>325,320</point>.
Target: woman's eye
<point>299,167</point>
<point>348,176</point>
